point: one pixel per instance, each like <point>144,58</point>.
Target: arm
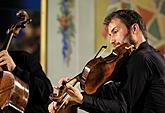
<point>110,101</point>
<point>25,66</point>
<point>40,85</point>
<point>7,63</point>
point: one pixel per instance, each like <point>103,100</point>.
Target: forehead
<point>116,23</point>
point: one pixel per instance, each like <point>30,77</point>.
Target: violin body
<point>13,92</point>
<point>99,70</point>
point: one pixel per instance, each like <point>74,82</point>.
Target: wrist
<point>81,99</point>
<point>12,68</point>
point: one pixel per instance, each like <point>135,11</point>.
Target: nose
<point>112,39</point>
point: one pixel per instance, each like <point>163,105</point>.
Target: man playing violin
<point>138,85</point>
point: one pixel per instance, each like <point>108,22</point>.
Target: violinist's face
<point>118,33</point>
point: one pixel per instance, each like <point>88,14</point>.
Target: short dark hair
<point>128,17</point>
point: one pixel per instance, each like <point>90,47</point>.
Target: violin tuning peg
<point>64,83</point>
<point>30,20</point>
<point>62,87</point>
<point>8,30</point>
<point>53,94</point>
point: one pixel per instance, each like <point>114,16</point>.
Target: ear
<point>135,28</point>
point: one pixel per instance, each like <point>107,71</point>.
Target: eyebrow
<point>113,30</point>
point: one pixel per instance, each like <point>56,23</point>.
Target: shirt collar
<point>143,45</point>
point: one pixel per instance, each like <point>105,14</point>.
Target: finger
<point>1,59</point>
<point>70,89</point>
<point>69,86</point>
<point>65,79</point>
<point>5,58</point>
<point>54,105</point>
<point>3,53</point>
<point>70,92</point>
<point>3,63</point>
<point>51,108</point>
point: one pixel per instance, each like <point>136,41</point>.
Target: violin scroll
<point>15,28</point>
<point>21,14</point>
<point>24,20</point>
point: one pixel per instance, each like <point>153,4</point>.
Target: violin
<point>14,92</point>
<point>95,73</point>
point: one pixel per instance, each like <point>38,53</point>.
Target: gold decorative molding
<point>43,34</point>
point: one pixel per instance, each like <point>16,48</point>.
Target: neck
<point>140,39</point>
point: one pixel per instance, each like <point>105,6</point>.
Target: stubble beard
<point>128,39</point>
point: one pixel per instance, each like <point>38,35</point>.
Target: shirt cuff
<point>86,102</point>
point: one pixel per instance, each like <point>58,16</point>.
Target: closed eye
<point>114,31</point>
